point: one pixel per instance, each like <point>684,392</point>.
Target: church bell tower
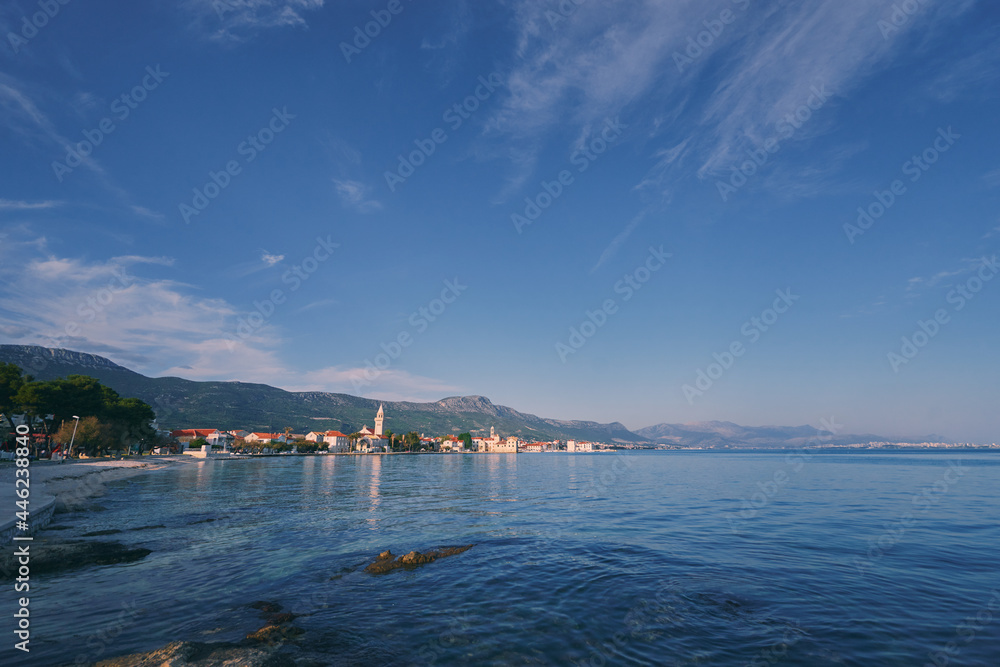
<point>379,418</point>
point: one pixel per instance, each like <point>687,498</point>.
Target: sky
<point>771,213</point>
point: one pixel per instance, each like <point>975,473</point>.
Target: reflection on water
<point>578,559</point>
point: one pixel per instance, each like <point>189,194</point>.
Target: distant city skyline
<point>647,212</point>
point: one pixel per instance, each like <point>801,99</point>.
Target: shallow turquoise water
<point>632,558</point>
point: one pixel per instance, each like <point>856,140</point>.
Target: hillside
<point>727,434</point>
<point>181,403</point>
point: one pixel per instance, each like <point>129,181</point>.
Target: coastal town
<point>209,442</point>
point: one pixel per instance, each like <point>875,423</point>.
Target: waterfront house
<point>189,434</point>
<point>265,438</point>
<point>337,441</point>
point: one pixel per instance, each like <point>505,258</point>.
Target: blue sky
<point>257,190</point>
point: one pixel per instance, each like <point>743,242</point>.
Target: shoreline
<point>73,483</point>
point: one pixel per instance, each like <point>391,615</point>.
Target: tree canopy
<point>117,423</point>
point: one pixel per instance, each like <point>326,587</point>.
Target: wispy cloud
<point>160,326</point>
<point>603,58</point>
<point>146,213</point>
<point>355,194</point>
<point>22,115</point>
<point>20,205</point>
<point>239,20</point>
<point>917,285</point>
<point>249,267</point>
<point>269,259</point>
<point>617,242</point>
<point>317,304</point>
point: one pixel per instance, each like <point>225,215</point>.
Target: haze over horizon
<point>537,202</point>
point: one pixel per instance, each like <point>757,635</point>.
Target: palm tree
<point>353,439</point>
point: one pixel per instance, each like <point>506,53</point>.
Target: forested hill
<point>181,403</point>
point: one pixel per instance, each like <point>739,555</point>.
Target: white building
<point>337,441</point>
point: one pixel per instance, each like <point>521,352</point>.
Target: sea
<point>614,558</point>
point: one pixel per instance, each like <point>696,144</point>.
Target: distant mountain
<point>727,434</point>
<point>183,403</point>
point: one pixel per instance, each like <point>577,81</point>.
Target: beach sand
<point>74,483</point>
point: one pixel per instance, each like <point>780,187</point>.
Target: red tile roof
<point>196,432</point>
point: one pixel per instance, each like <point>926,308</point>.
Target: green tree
<point>412,440</point>
<point>129,419</point>
<point>466,439</point>
<point>124,422</point>
<point>12,378</point>
<point>93,438</point>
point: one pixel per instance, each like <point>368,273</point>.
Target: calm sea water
<point>635,558</point>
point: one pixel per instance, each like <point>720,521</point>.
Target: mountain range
<point>181,403</point>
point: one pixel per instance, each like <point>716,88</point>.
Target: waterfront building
<point>337,441</point>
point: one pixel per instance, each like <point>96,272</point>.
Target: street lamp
<point>69,452</point>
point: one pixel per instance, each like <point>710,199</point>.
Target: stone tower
<point>379,418</point>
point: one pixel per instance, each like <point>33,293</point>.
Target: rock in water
<point>384,563</point>
<point>50,557</point>
<point>191,654</point>
<point>275,634</point>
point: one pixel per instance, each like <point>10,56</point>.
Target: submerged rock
<point>47,558</point>
<point>259,649</point>
<point>192,654</point>
<point>278,619</point>
<point>273,634</point>
<point>384,561</point>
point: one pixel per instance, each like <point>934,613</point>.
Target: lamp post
<point>69,452</point>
